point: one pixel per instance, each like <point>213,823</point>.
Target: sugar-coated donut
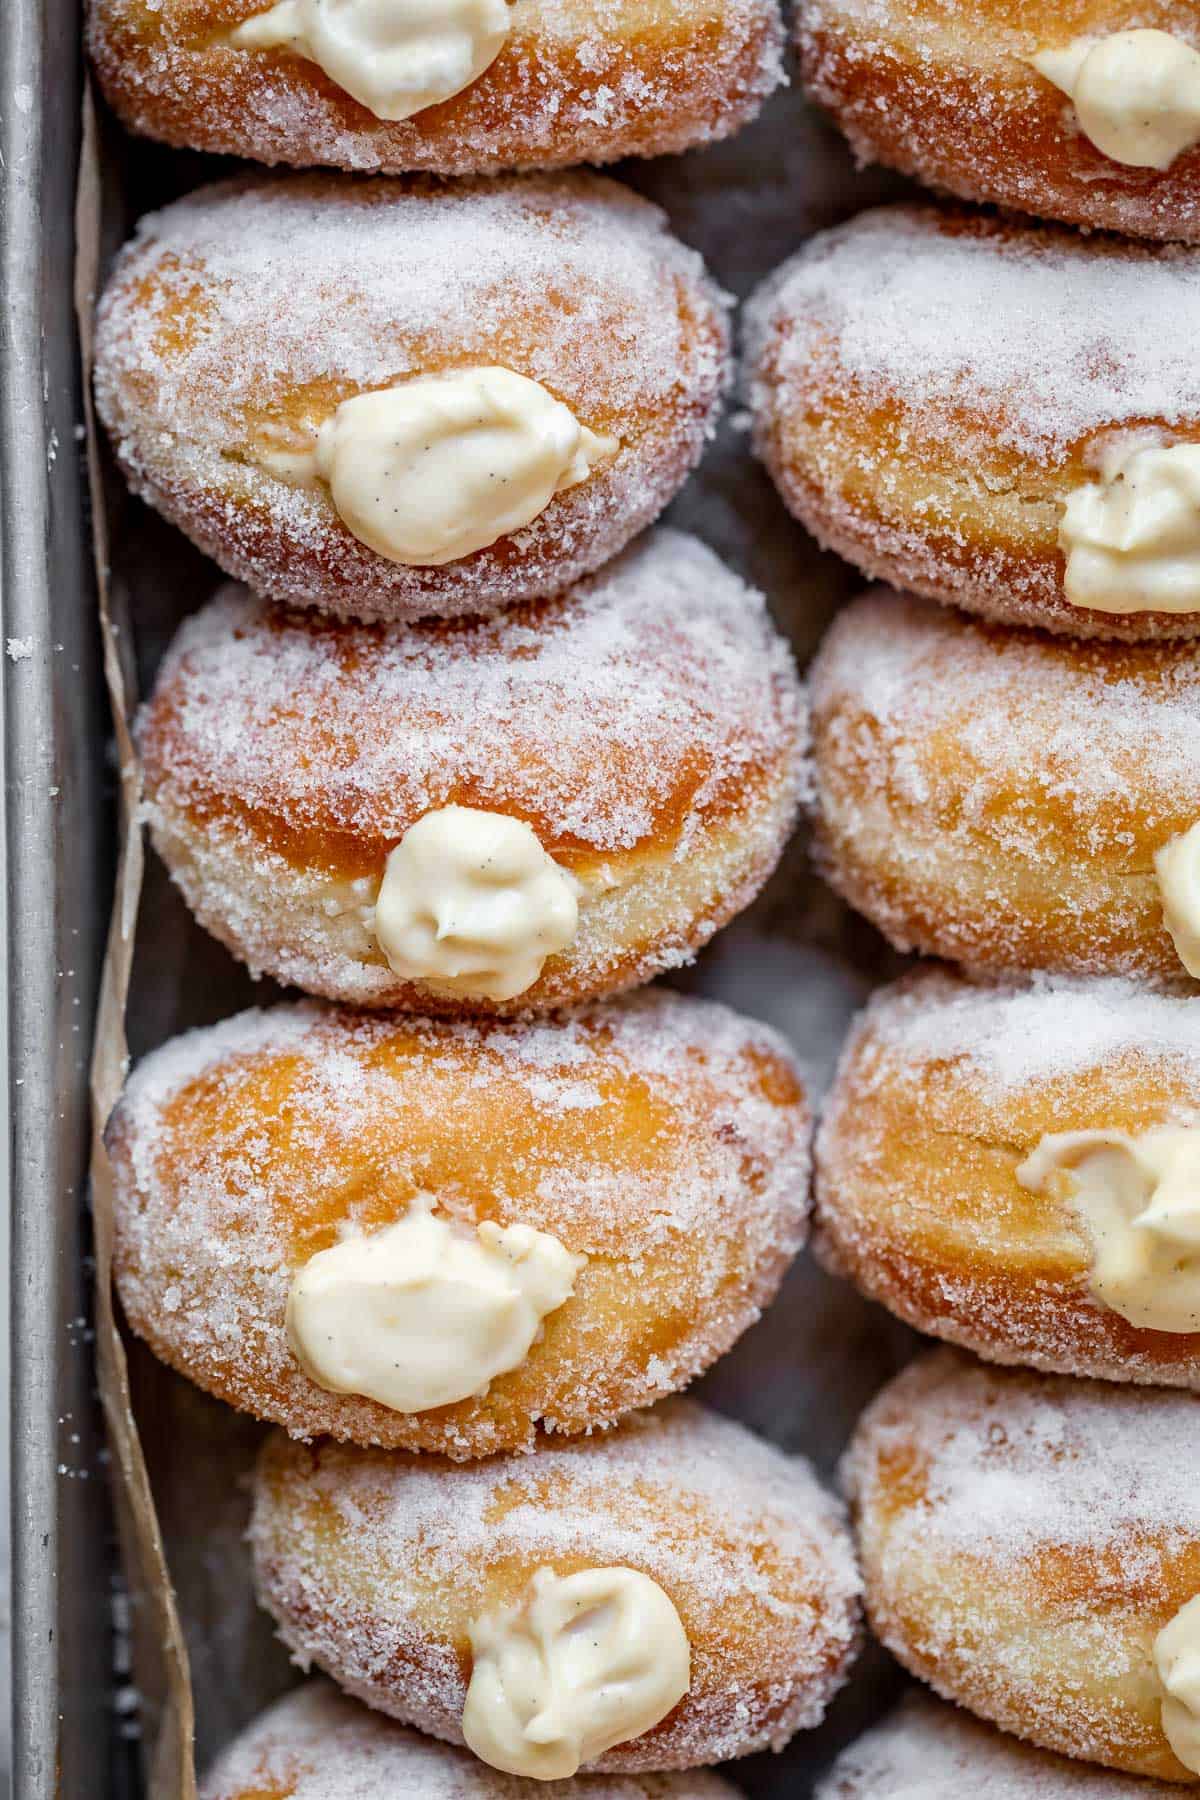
<point>647,727</point>
<point>1025,1540</point>
<point>997,414</point>
<point>315,1744</point>
<point>569,84</point>
<point>925,1199</point>
<point>948,91</point>
<point>375,1564</point>
<point>663,1139</point>
<point>927,1751</point>
<point>378,1567</point>
<point>999,797</point>
<point>244,321</point>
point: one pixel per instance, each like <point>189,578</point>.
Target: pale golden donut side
<point>664,1139</point>
<point>248,310</point>
<point>572,84</point>
<point>924,492</point>
<point>942,90</point>
<point>316,1735</point>
<point>941,815</point>
<point>374,1564</point>
<point>918,1201</point>
<point>1050,1636</point>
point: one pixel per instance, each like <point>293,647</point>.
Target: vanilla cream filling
<point>427,1311</point>
<point>395,57</point>
<point>1132,539</point>
<point>471,902</point>
<point>1136,94</point>
<point>1137,1198</point>
<point>580,1663</point>
<point>1177,867</point>
<point>1177,1660</point>
<point>438,467</point>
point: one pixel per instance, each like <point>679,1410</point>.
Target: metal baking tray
<point>798,959</point>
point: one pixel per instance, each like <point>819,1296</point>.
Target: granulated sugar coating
<point>648,725</point>
<point>997,797</point>
<point>1047,337</point>
<point>241,317</point>
<point>374,1564</point>
<point>317,1745</point>
<point>577,81</point>
<point>664,1139</point>
<point>1013,1035</point>
<point>1024,1538</point>
<point>927,1751</point>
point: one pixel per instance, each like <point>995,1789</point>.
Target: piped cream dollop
<point>395,57</point>
<point>427,1311</point>
<point>1177,867</point>
<point>1136,93</point>
<point>436,468</point>
<point>1177,1660</point>
<point>1138,1200</point>
<point>1132,539</point>
<point>470,901</point>
<point>580,1663</point>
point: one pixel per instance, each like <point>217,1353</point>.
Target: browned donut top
<point>644,701</point>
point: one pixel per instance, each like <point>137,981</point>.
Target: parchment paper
<point>204,1654</point>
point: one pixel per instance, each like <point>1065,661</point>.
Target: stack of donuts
<point>468,750</point>
<point>998,416</point>
<point>463,750</point>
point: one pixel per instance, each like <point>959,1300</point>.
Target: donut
<point>1009,800</point>
<point>997,414</point>
<point>391,399</point>
<point>564,1219</point>
<point>486,816</point>
<point>538,84</point>
<point>1081,110</point>
<point>1017,1169</point>
<point>315,1744</point>
<point>1030,1546</point>
<point>718,1575</point>
<point>926,1751</point>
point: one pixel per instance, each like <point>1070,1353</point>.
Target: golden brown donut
<point>927,1751</point>
<point>664,1139</point>
<point>945,1089</point>
<point>245,317</point>
<point>944,89</point>
<point>572,84</point>
<point>998,797</point>
<point>374,1564</point>
<point>1024,1539</point>
<point>937,394</point>
<point>315,1744</point>
<point>648,726</point>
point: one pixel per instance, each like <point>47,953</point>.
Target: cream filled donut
<point>1082,110</point>
<point>927,1751</point>
<point>716,1577</point>
<point>1017,1169</point>
<point>457,88</point>
<point>1000,415</point>
<point>315,1744</point>
<point>1031,1548</point>
<point>396,399</point>
<point>1008,800</point>
<point>447,1236</point>
<point>491,815</point>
